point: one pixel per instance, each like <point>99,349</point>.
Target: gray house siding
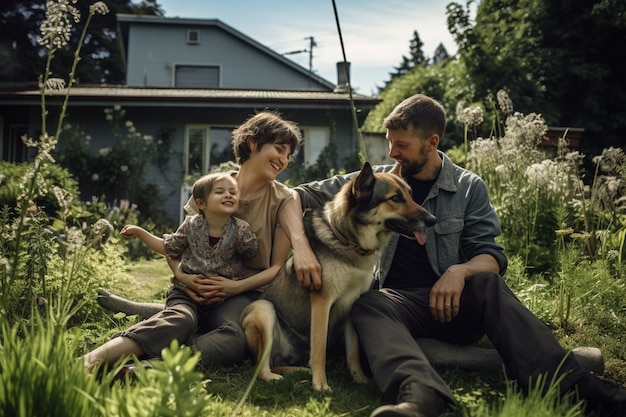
<point>150,120</point>
<point>155,52</point>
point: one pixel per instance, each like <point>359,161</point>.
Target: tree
<point>416,58</point>
<point>440,55</point>
<point>570,73</point>
<point>101,61</point>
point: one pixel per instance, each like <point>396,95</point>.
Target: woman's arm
<point>308,269</point>
<point>153,242</point>
<point>280,252</point>
<point>208,290</point>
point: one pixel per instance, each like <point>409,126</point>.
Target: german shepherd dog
<point>347,236</point>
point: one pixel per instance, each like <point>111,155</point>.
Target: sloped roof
<point>142,96</point>
<point>158,20</point>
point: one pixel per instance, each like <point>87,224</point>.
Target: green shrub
<point>52,175</point>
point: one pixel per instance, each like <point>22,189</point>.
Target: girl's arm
<point>153,242</point>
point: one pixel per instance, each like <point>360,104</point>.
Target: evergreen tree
<point>101,60</point>
<point>440,55</point>
<point>416,58</point>
<point>415,48</point>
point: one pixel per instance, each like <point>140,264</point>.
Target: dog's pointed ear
<point>363,186</point>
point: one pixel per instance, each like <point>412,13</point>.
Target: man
<point>451,288</point>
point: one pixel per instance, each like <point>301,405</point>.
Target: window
<point>206,147</point>
<point>15,148</point>
<point>193,37</point>
<point>315,140</point>
<point>196,76</point>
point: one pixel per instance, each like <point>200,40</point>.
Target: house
<point>191,81</point>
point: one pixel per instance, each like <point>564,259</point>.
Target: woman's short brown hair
<point>264,127</point>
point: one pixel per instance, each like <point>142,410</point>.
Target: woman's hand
<point>199,288</point>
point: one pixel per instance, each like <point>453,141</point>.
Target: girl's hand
<point>129,231</point>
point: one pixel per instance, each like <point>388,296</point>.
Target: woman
<point>263,145</point>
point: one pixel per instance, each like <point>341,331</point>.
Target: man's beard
<point>410,169</point>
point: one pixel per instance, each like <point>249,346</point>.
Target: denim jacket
<point>467,223</point>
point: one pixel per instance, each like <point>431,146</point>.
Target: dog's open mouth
<point>404,229</point>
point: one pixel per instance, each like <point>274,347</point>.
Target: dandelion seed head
<point>469,116</point>
<point>102,228</point>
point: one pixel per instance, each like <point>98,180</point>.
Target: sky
<point>376,33</point>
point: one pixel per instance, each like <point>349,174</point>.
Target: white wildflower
<point>57,26</point>
<point>99,7</point>
<point>505,102</point>
<point>54,84</point>
<point>123,168</point>
<point>95,177</point>
<point>104,151</point>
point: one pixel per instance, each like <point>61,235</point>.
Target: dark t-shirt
<point>410,267</point>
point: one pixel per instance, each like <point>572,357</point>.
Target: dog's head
<point>384,200</point>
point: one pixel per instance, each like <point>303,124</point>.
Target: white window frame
<point>311,144</point>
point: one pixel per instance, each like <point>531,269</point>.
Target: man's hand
<point>445,295</point>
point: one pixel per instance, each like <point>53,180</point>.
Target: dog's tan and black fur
<point>347,236</point>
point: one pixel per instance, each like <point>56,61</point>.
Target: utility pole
<point>312,44</point>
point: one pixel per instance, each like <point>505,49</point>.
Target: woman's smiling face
<point>274,157</point>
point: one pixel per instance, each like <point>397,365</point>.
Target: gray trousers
<point>388,322</point>
<point>214,331</point>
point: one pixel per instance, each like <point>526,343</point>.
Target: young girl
<point>209,243</point>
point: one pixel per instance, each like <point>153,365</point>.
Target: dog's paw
<point>321,386</point>
<point>359,377</point>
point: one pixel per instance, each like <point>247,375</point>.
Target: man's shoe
<point>414,400</point>
<point>603,398</point>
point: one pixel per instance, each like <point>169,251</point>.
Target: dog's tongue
<point>420,236</point>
